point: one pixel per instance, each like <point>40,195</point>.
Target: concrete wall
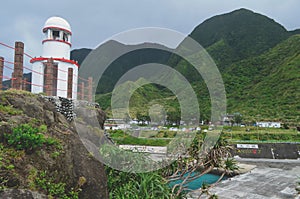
<point>270,151</point>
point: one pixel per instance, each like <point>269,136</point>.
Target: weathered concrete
<point>270,179</point>
<point>270,150</point>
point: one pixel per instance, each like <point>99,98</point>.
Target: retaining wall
<point>269,151</point>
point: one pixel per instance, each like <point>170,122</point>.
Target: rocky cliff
<point>41,155</point>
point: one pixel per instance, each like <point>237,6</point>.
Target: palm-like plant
<point>218,156</point>
<point>298,187</point>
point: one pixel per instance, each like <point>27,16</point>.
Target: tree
<point>174,117</point>
<point>142,118</point>
<point>237,118</point>
<point>200,163</point>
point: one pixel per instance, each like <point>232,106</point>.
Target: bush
<point>55,189</point>
<point>10,110</point>
<point>27,137</point>
<point>137,185</point>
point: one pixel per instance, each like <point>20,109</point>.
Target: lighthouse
<point>53,72</point>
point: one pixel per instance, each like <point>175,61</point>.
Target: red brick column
<point>1,71</point>
<point>82,90</point>
<point>12,80</point>
<point>18,66</point>
<point>24,85</point>
<point>70,82</point>
<point>90,89</point>
<point>48,77</point>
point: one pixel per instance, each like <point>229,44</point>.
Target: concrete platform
<point>269,179</point>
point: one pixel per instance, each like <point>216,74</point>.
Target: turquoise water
<point>197,183</point>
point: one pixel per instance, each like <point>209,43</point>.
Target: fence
<point>17,81</point>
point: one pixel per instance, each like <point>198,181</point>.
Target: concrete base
<point>270,179</point>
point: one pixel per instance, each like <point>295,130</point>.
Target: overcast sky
<point>94,21</point>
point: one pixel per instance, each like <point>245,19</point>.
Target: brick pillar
<point>18,66</point>
<point>1,71</point>
<point>90,89</point>
<point>70,82</point>
<point>82,91</point>
<point>24,84</point>
<point>48,77</point>
<point>78,92</point>
<point>12,80</point>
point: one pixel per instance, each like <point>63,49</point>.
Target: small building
<point>54,69</point>
<point>115,124</point>
<point>227,119</point>
<point>268,124</point>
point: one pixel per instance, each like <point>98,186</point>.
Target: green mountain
<point>238,35</point>
<point>131,56</point>
<point>80,54</point>
<point>267,86</point>
<point>257,57</point>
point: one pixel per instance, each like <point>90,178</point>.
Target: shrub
<point>55,189</point>
<point>10,110</point>
<point>137,185</point>
<point>27,137</point>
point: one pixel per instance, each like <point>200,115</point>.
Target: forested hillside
<point>258,58</point>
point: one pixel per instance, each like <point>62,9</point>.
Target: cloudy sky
<point>94,21</point>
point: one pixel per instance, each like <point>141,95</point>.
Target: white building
<point>268,124</point>
<point>56,45</point>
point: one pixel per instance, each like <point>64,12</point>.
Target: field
<point>231,134</point>
<point>257,134</point>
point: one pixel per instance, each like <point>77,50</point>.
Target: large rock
<point>21,193</point>
<point>72,163</point>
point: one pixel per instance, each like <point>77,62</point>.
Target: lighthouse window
<point>55,34</point>
<point>65,37</point>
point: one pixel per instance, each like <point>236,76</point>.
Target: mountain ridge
<point>259,66</point>
<point>248,59</point>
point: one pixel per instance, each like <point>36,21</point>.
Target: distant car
<point>243,125</point>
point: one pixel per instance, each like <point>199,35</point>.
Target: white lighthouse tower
<point>63,75</point>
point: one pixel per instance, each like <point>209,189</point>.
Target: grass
<point>10,110</point>
<point>122,138</point>
<point>261,135</point>
<point>232,134</point>
<point>14,91</point>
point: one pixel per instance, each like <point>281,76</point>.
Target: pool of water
<point>197,183</point>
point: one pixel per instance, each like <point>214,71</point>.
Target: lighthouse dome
<point>57,22</point>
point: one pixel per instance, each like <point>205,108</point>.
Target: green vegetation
<point>121,137</point>
<point>25,138</point>
<point>232,134</point>
<point>155,184</point>
<point>52,188</point>
<point>254,134</point>
<point>150,185</point>
<point>10,110</point>
<point>298,186</point>
<point>258,60</point>
<point>166,134</point>
<point>7,155</point>
<point>238,35</point>
<point>28,138</point>
<point>35,147</point>
<point>267,85</point>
